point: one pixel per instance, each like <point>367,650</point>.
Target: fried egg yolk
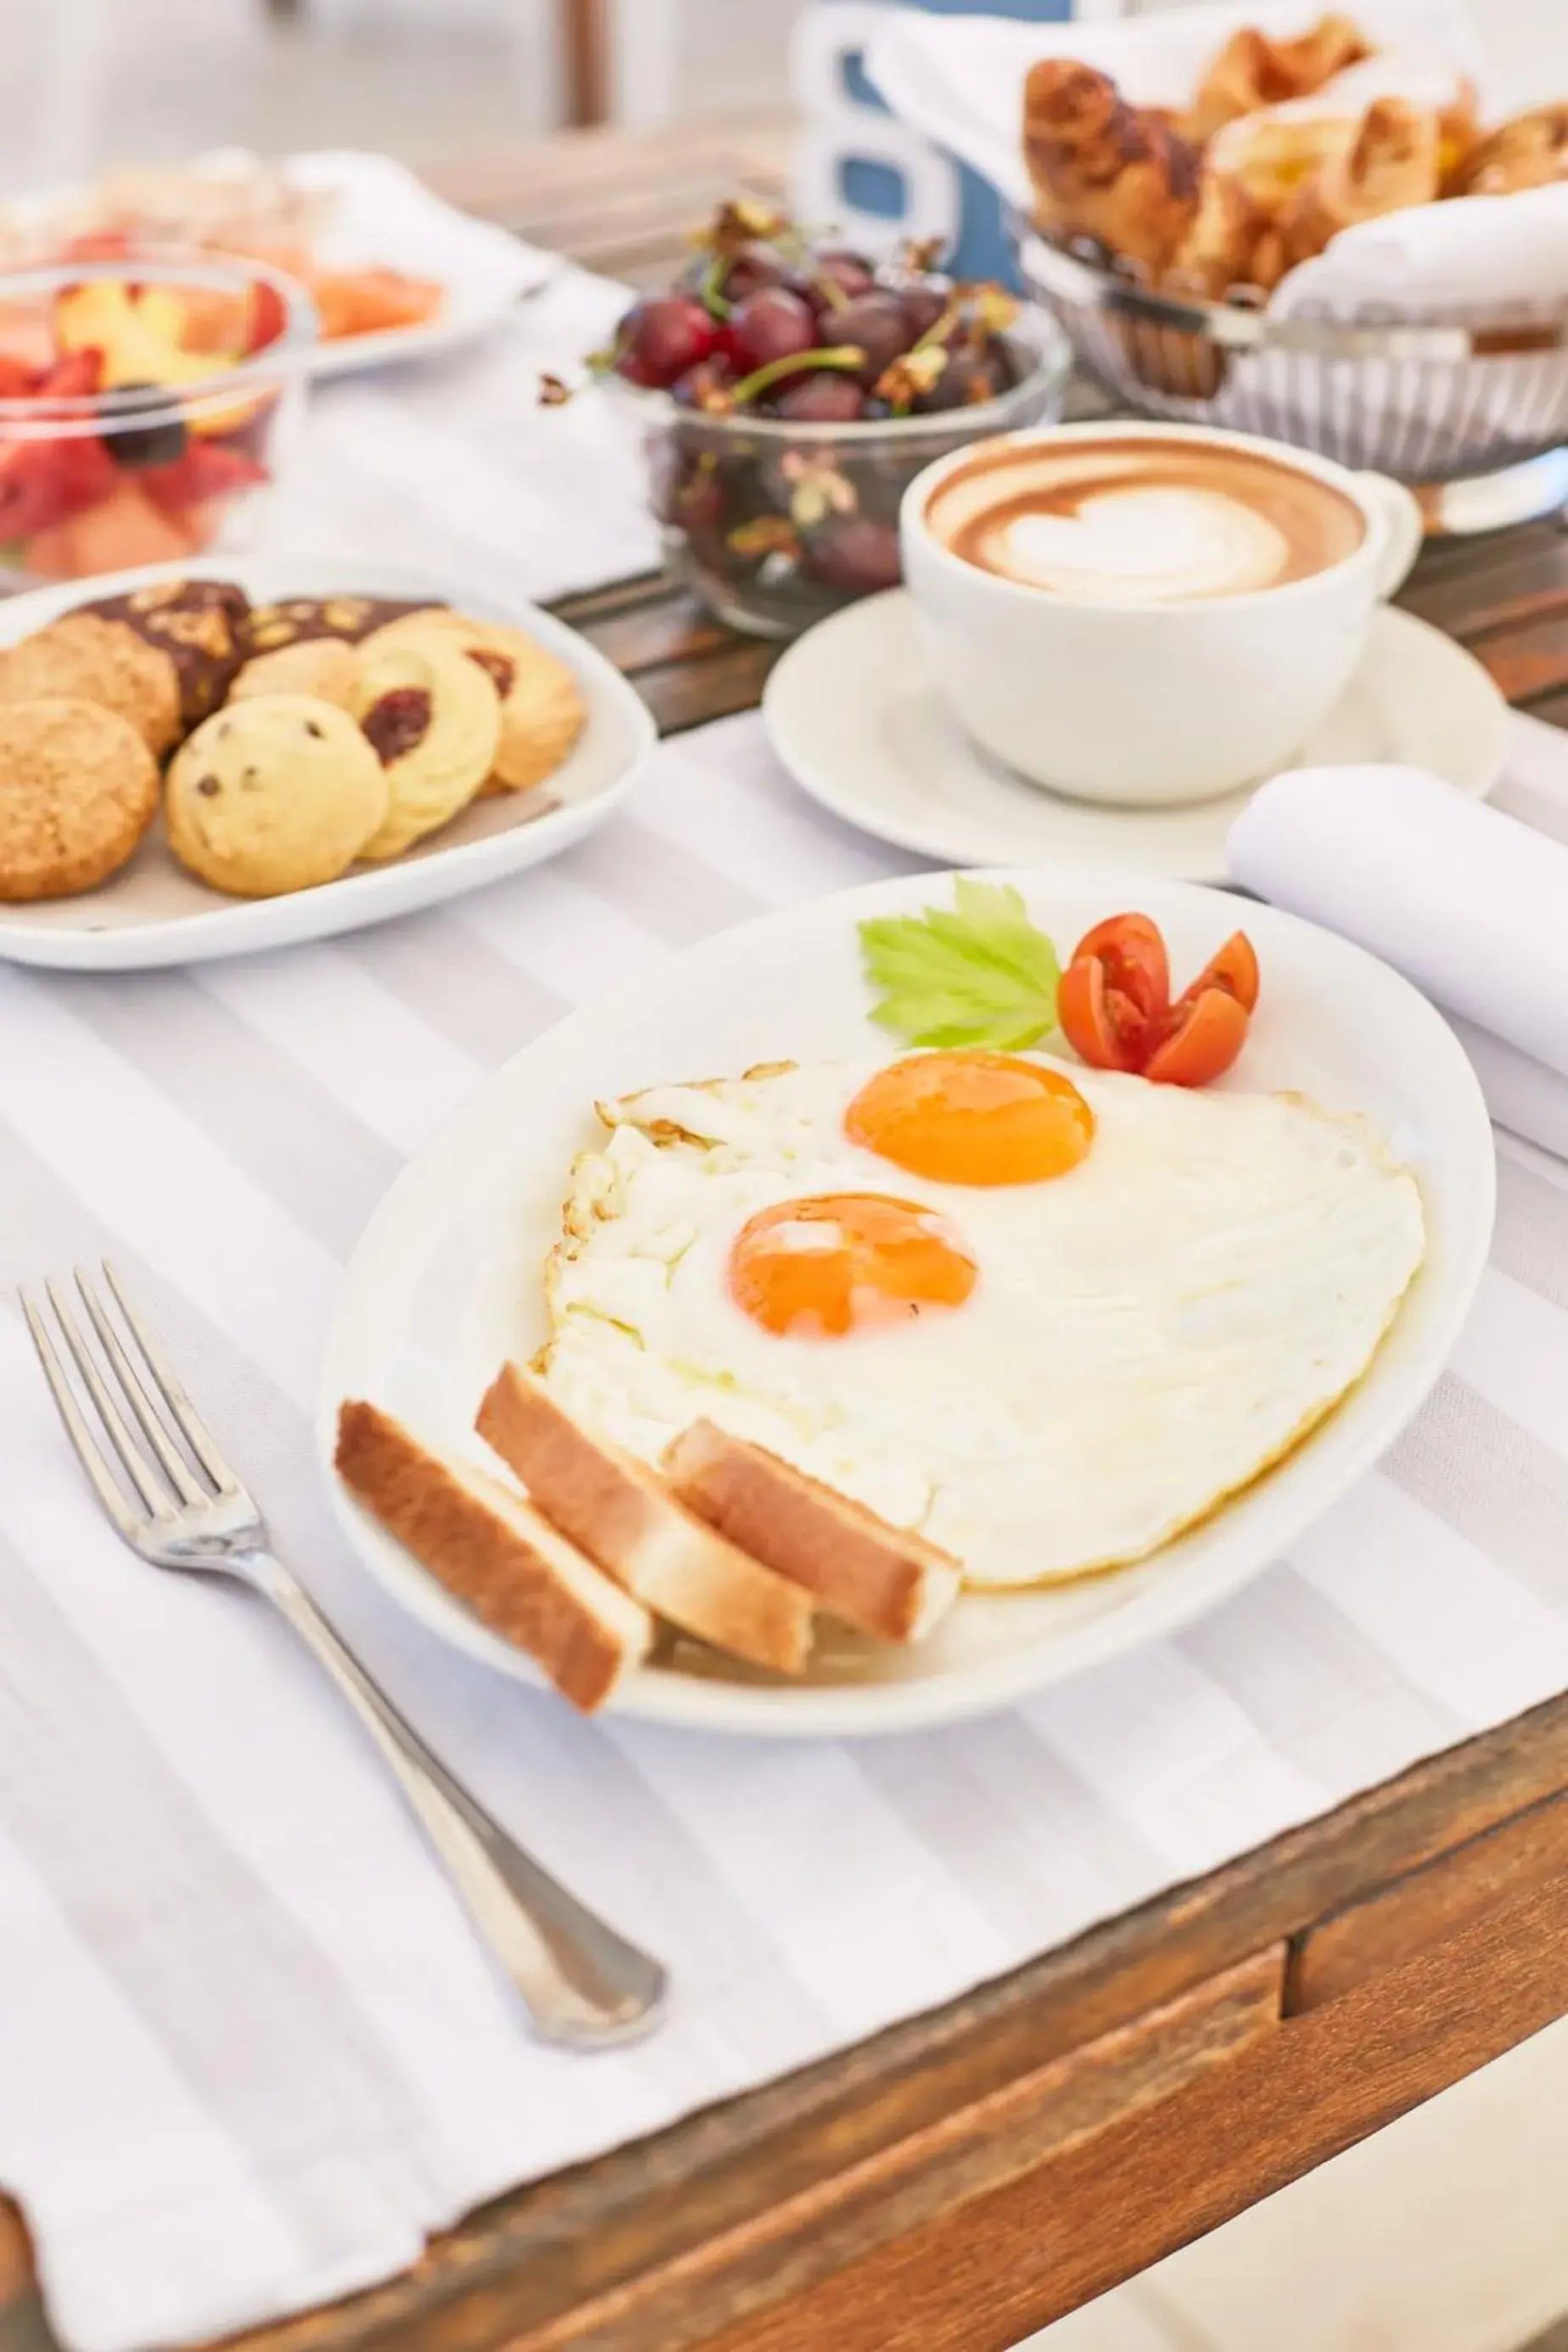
<point>972,1117</point>
<point>843,1262</point>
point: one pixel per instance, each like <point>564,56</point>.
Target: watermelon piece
<point>204,471</point>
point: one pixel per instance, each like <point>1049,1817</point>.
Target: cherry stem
<point>708,292</point>
<point>847,356</point>
<point>832,293</point>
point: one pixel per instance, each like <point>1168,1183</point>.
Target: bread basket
<point>1471,411</point>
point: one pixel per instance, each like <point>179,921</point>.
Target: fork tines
<point>129,1386</point>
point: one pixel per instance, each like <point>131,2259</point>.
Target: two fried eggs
<point>1050,1315</point>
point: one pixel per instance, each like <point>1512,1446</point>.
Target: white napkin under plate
<point>1469,901</point>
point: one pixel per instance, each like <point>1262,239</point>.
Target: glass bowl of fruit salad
<point>789,391</point>
<point>145,405</point>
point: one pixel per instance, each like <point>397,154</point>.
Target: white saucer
<point>851,711</point>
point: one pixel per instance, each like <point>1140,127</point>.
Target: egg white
<point>1147,1334</point>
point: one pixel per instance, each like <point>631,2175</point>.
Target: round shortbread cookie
<point>541,707</point>
<point>83,659</point>
<point>327,667</point>
<point>433,718</point>
<point>277,793</point>
<point>77,788</point>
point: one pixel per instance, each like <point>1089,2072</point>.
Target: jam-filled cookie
<point>273,795</point>
<point>541,707</point>
<point>433,719</point>
<point>77,788</point>
<point>327,667</point>
<point>199,625</point>
<point>83,658</point>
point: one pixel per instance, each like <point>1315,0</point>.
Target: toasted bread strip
<point>492,1549</point>
<point>624,1516</point>
<point>886,1580</point>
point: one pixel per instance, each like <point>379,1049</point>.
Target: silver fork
<point>580,1983</point>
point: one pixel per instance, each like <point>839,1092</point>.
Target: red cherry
<point>772,324</point>
<point>662,338</point>
<point>850,272</point>
<point>922,307</point>
<point>877,323</point>
<point>824,397</point>
<point>753,267</point>
<point>853,554</point>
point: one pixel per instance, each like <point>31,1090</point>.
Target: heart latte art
<point>1142,521</point>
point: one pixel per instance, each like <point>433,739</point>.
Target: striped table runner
<point>248,2054</point>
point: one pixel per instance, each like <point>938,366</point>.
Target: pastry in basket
<point>1253,70</point>
<point>1217,251</point>
<point>1273,155</point>
<point>1102,169</point>
<point>541,707</point>
<point>433,719</point>
<point>1529,151</point>
<point>1393,162</point>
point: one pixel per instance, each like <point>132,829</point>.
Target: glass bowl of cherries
<point>789,391</point>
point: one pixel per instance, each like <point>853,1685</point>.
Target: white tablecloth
<point>248,2054</point>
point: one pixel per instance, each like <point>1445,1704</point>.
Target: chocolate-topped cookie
<point>201,624</point>
<point>295,620</point>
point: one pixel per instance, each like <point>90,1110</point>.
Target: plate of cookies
<point>200,759</point>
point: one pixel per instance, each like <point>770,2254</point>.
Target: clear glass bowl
<point>774,524</point>
<point>152,471</point>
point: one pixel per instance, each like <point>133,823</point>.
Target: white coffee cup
<point>1151,704</point>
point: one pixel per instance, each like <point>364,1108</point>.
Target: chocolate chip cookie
<point>277,793</point>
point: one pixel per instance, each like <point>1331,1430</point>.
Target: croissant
<point>1274,155</point>
<point>1253,71</point>
<point>1529,151</point>
<point>1393,162</point>
<point>1216,252</point>
<point>1099,169</point>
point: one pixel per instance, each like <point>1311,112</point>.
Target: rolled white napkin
<point>1468,901</point>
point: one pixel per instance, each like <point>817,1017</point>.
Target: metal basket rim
<point>1058,275</point>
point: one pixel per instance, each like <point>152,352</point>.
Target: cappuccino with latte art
<point>1146,520</point>
<point>1148,615</point>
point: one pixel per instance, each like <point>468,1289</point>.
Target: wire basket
<point>1434,401</point>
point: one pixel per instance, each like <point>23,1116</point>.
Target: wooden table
<point>964,2178</point>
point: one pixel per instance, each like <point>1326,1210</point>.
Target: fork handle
<point>582,1984</point>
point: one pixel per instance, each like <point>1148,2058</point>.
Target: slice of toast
<point>622,1513</point>
<point>493,1550</point>
<point>885,1580</point>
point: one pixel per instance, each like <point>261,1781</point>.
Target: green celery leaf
<point>979,974</point>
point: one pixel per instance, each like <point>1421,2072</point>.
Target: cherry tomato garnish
<point>1234,968</point>
<point>1114,1004</point>
<point>1134,954</point>
<point>1202,1038</point>
<point>1103,1026</point>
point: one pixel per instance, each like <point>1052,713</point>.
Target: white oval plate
<point>446,1280</point>
<point>154,912</point>
<point>852,712</point>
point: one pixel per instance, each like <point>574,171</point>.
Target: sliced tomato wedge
<point>1114,1004</point>
<point>1104,1026</point>
<point>1234,968</point>
<point>1133,953</point>
<point>1200,1039</point>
